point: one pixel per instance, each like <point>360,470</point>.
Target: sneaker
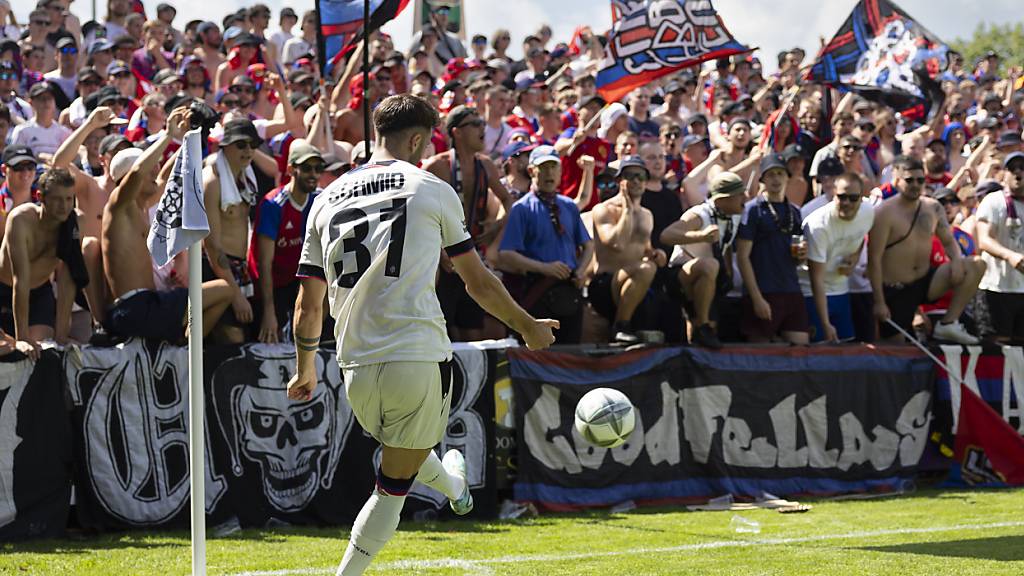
<point>455,464</point>
<point>953,332</point>
<point>705,337</point>
<point>624,337</point>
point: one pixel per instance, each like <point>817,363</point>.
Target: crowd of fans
<point>723,203</point>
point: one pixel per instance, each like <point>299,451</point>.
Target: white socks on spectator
<point>374,526</point>
<point>433,474</point>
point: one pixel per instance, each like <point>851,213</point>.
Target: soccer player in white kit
<point>373,243</point>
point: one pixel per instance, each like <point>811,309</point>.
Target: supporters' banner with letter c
<point>658,37</point>
<point>741,421</point>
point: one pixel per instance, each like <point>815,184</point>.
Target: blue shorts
<point>150,314</point>
<point>840,315</point>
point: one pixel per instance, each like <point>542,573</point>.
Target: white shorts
<point>401,404</point>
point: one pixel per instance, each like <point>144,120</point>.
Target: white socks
<point>433,474</point>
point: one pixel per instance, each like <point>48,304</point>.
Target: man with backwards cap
<point>703,249</point>
<point>139,310</point>
<point>546,244</point>
<point>626,259</point>
<point>773,306</point>
<point>1001,240</point>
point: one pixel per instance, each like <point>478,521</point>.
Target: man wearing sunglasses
<point>276,243</point>
<point>65,76</point>
<point>626,259</point>
<point>835,235</point>
<point>899,262</point>
<point>515,159</point>
<point>20,109</point>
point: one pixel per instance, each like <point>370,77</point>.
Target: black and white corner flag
<point>181,216</point>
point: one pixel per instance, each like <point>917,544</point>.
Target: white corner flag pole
<point>196,434</point>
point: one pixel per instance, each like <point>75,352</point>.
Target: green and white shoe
<point>455,464</point>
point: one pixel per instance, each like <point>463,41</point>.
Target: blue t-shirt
<point>531,233</point>
<point>645,130</point>
<point>774,266</point>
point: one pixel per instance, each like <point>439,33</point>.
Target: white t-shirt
<point>999,276</point>
<point>727,229</point>
<point>830,240</point>
<point>279,38</point>
<point>815,203</point>
<point>68,85</point>
<point>295,48</point>
<point>40,140</point>
<point>375,235</point>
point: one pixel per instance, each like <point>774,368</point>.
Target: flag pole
<point>366,77</point>
<point>196,435</point>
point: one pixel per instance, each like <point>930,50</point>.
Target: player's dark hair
<point>907,163</point>
<point>55,177</point>
<point>403,111</point>
<point>852,180</point>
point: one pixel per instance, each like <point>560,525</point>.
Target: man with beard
<point>773,305</point>
<point>835,236</point>
<point>20,109</point>
<point>276,243</point>
<point>626,260</point>
<point>474,177</point>
<point>229,185</point>
<point>935,163</point>
<point>1001,241</point>
<point>516,159</point>
<point>36,237</point>
<point>702,254</point>
<point>899,259</point>
<point>209,45</point>
<point>139,309</point>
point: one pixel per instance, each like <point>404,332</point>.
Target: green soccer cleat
<point>455,464</point>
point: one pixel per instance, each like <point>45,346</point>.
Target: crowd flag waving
<point>654,38</point>
<point>884,55</point>
<point>341,25</point>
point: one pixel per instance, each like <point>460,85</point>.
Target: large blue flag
<point>341,25</point>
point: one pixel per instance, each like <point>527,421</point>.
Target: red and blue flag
<point>341,25</point>
<point>654,38</point>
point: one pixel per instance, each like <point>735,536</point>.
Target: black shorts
<point>1006,310</point>
<point>240,271</point>
<point>150,314</point>
<point>789,314</point>
<point>459,308</point>
<point>42,307</point>
<point>599,292</point>
<point>903,301</point>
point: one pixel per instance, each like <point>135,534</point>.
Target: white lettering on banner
<point>1013,380</point>
<point>14,378</point>
<point>951,354</point>
<point>705,413</point>
<point>136,430</point>
<point>465,430</point>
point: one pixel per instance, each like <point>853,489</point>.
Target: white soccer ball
<point>605,417</point>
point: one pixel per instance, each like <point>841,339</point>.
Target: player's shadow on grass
<point>998,548</point>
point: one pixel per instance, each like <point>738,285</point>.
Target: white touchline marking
<point>479,565</point>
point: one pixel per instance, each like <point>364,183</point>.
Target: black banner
<point>787,421</point>
<point>35,449</point>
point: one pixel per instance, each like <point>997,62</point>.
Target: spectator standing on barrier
<point>1000,234</point>
<point>475,179</point>
<point>139,309</point>
<point>702,255</point>
<point>229,188</point>
<point>276,242</point>
<point>36,236</point>
<point>547,249</point>
<point>899,259</point>
<point>626,259</point>
<point>835,236</point>
<point>768,248</point>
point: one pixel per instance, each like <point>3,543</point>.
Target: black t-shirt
<point>666,207</point>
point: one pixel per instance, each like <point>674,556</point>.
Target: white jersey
<point>375,236</point>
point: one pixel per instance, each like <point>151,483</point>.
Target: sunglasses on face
<point>918,180</point>
<point>8,76</point>
<point>853,147</point>
<point>868,127</point>
<point>606,185</point>
<point>40,22</point>
<point>69,50</point>
<point>950,201</point>
<point>850,198</point>
<point>23,167</point>
<point>241,90</point>
<point>635,176</point>
<point>231,103</point>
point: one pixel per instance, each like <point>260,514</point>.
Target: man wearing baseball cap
<point>276,242</point>
<point>1002,249</point>
<point>42,133</point>
<point>19,171</point>
<point>515,160</point>
<point>626,259</point>
<point>546,248</point>
<point>703,241</point>
<point>773,306</point>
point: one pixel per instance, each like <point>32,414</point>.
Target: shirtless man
<point>349,122</point>
<point>626,259</point>
<point>92,193</point>
<point>140,310</point>
<point>229,186</point>
<point>730,158</point>
<point>703,248</point>
<point>899,259</point>
<point>28,258</point>
<point>475,179</point>
<point>208,49</point>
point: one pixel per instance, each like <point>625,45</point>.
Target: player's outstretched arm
<point>492,296</point>
<point>308,323</point>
